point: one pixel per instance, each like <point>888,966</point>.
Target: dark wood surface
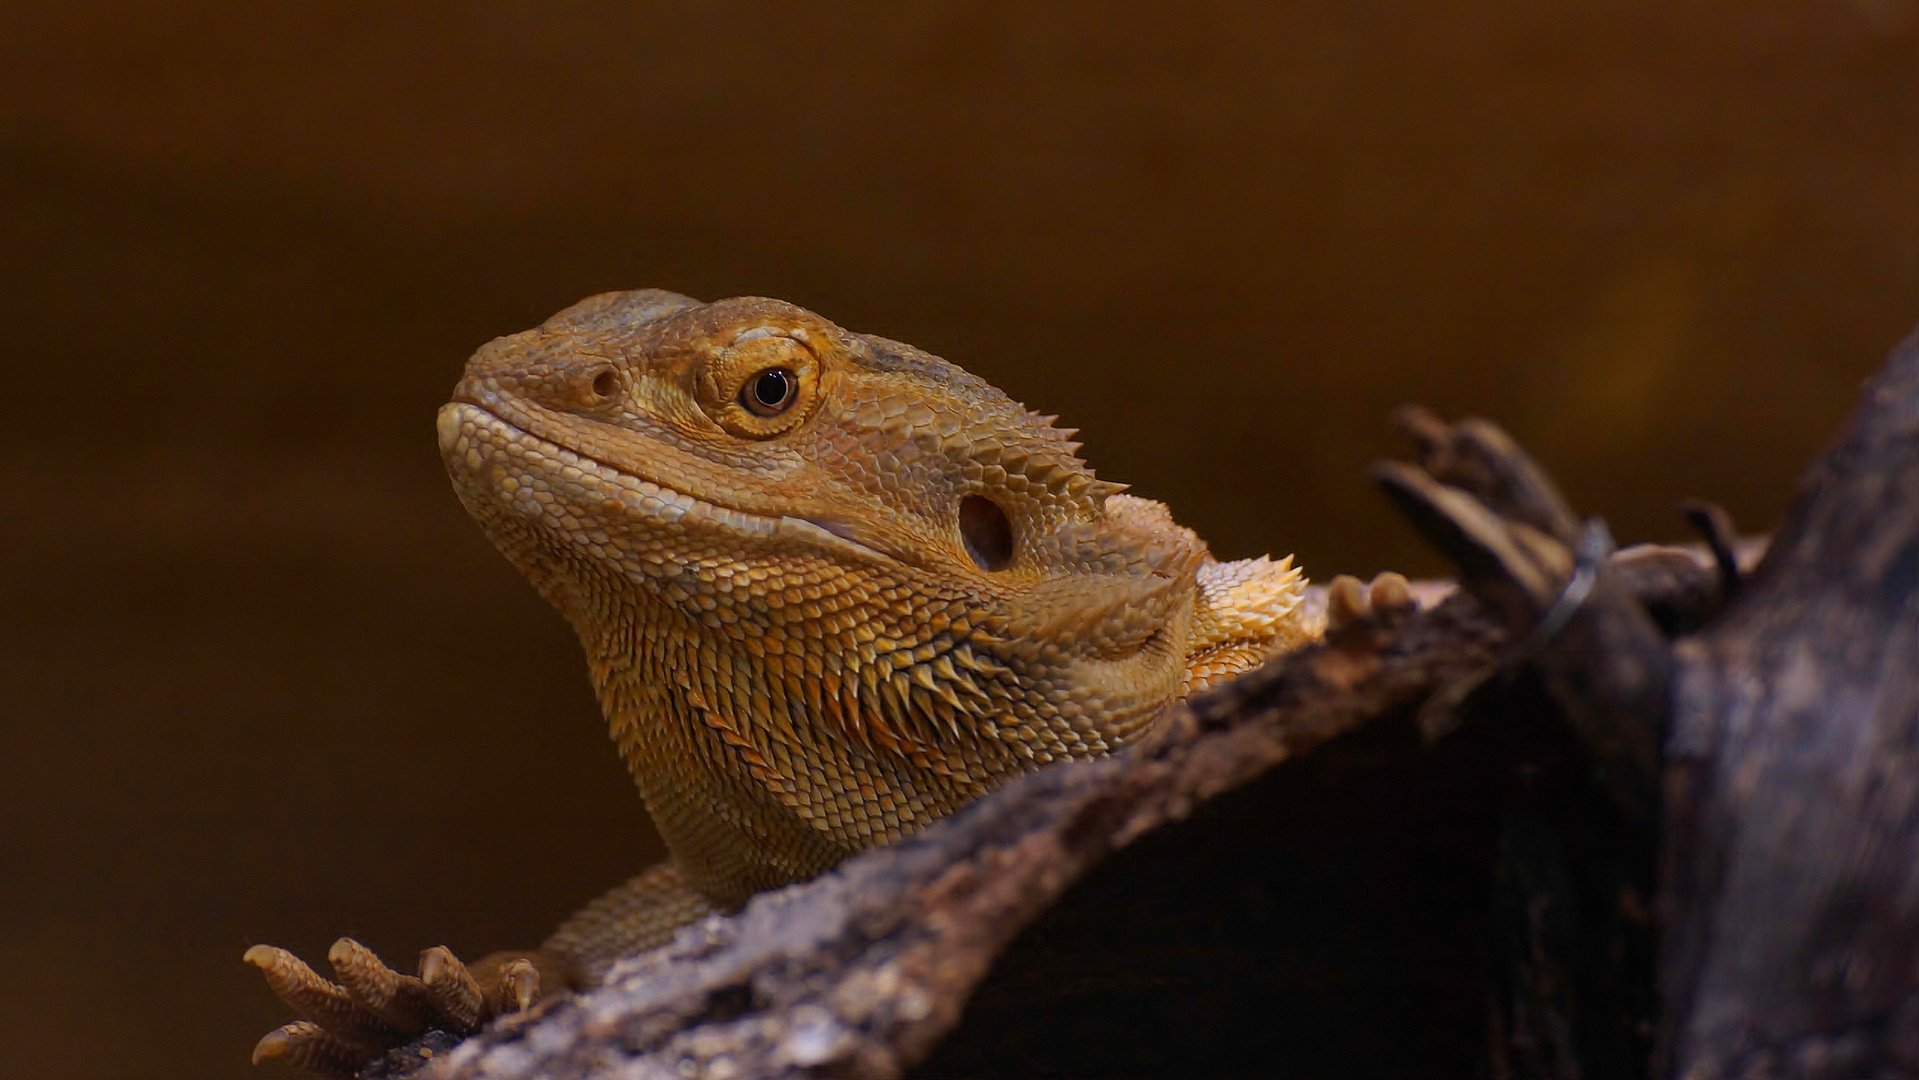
<point>1793,781</point>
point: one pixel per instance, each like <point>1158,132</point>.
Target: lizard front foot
<point>1356,613</point>
<point>374,1009</point>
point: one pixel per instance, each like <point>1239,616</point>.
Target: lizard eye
<point>761,387</point>
<point>770,393</point>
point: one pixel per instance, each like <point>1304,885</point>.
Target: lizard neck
<point>770,740</point>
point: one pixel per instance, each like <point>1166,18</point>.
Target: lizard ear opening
<point>986,532</point>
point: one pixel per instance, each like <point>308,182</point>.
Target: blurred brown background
<point>260,680</point>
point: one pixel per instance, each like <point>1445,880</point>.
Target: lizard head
<point>755,423</point>
<point>762,408</point>
<point>786,494</point>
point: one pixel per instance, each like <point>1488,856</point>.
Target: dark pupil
<point>771,388</point>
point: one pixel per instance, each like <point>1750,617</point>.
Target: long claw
<point>306,1045</point>
<point>402,1001</point>
<point>519,986</point>
<point>318,999</point>
<point>455,994</point>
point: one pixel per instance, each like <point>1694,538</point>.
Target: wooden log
<point>1792,782</point>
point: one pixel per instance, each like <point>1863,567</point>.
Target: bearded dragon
<point>830,588</point>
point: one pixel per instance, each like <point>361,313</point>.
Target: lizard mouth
<point>471,436</point>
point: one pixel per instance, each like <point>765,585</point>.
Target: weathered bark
<point>1793,781</point>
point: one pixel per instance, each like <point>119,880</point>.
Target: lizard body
<point>830,587</point>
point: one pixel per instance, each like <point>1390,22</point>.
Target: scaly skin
<point>818,620</point>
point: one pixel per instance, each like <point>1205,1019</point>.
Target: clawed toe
<point>304,1044</point>
<point>455,992</point>
<point>401,1001</point>
<point>329,1005</point>
<point>1390,592</point>
<point>520,984</point>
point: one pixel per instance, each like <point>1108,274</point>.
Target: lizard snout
<point>447,426</point>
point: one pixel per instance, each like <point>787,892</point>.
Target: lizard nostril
<point>986,531</point>
<point>605,384</point>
